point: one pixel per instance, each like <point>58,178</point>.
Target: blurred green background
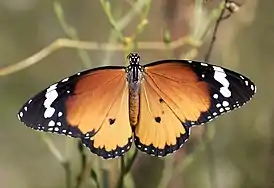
<point>239,151</point>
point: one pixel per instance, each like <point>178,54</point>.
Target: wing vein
<point>111,106</point>
<point>163,94</point>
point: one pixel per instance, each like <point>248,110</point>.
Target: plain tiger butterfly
<point>155,105</point>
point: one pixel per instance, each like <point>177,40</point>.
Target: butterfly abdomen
<point>134,108</point>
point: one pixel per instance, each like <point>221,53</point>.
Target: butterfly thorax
<point>134,77</point>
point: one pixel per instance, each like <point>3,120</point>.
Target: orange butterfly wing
<point>175,95</point>
<point>90,105</point>
<point>180,87</point>
<point>99,106</point>
<point>159,131</point>
<point>166,104</point>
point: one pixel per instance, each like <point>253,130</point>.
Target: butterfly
<point>154,105</point>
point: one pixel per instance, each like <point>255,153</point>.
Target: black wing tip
<point>206,117</point>
<point>103,153</point>
<point>169,149</point>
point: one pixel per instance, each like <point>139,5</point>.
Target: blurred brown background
<point>240,152</point>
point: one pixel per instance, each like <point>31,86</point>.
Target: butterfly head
<point>134,72</point>
<point>134,59</point>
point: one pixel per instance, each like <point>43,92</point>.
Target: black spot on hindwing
<point>111,121</point>
<point>158,119</point>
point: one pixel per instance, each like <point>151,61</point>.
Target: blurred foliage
<point>235,150</point>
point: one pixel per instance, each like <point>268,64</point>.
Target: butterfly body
<point>155,105</point>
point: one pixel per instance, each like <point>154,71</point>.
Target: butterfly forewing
<point>199,92</point>
<point>83,106</point>
<point>46,111</point>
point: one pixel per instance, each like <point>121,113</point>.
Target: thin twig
<point>121,178</point>
<point>125,168</point>
<point>107,8</point>
<point>136,9</point>
<point>64,162</point>
<point>167,173</point>
<point>53,148</point>
<point>70,32</point>
<point>95,178</point>
<point>214,35</point>
<point>131,160</point>
<point>66,166</point>
<point>68,43</point>
<point>143,20</point>
<point>83,156</point>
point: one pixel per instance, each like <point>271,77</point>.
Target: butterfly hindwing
<point>114,138</point>
<point>159,131</point>
<point>199,91</point>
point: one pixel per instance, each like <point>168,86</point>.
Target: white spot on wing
<point>64,80</point>
<point>21,114</point>
<point>26,108</point>
<point>220,76</point>
<point>51,96</point>
<point>225,92</point>
<point>52,87</point>
<point>204,64</point>
<point>225,103</point>
<point>215,96</point>
<point>252,87</point>
<point>51,123</point>
<point>60,114</point>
